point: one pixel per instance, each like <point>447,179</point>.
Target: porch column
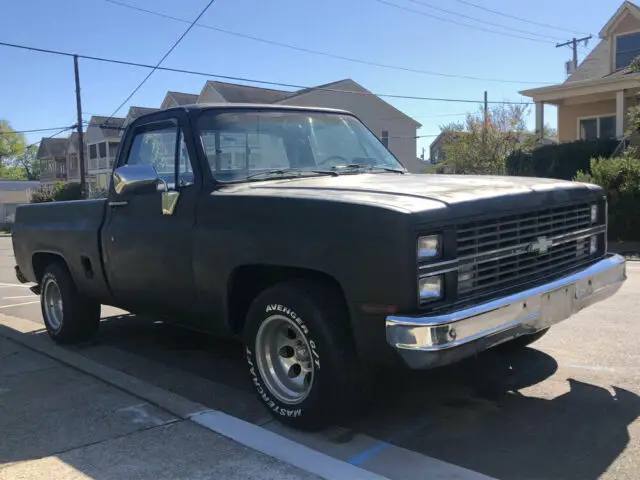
<point>620,114</point>
<point>540,120</point>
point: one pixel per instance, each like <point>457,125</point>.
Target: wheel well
<point>248,281</point>
<point>42,260</point>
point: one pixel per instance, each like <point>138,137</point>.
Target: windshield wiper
<point>287,172</point>
<point>360,167</point>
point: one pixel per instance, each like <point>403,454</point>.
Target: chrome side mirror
<point>135,179</point>
<point>143,178</point>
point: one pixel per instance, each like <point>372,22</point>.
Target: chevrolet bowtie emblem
<point>541,245</point>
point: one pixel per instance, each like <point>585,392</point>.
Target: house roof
<point>184,98</point>
<point>72,140</point>
<point>135,112</point>
<point>235,93</point>
<point>626,7</point>
<point>110,127</point>
<point>52,147</point>
<point>594,74</point>
<point>318,87</point>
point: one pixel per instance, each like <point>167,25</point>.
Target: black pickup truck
<point>296,230</point>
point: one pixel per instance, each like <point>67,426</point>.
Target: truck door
<point>148,252</point>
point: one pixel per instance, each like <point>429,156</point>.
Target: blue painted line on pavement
<point>382,445</point>
<point>369,452</point>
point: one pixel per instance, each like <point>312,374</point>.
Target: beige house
<point>593,100</point>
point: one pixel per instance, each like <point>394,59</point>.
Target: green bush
<point>561,161</point>
<point>620,180</point>
<point>60,192</point>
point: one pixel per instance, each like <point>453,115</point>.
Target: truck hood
<point>428,192</point>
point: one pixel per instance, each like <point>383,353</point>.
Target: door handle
<point>118,204</point>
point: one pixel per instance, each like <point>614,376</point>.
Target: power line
<point>262,82</point>
<point>475,19</point>
<point>455,22</point>
<point>34,130</point>
<point>318,52</point>
<point>176,43</point>
<point>506,15</point>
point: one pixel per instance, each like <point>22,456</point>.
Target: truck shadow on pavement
<point>481,414</point>
<point>510,415</point>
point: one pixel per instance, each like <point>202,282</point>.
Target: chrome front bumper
<point>426,342</point>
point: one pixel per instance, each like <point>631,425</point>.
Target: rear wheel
<point>301,356</point>
<point>68,316</point>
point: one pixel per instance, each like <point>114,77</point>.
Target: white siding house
<point>394,128</point>
<point>103,140</point>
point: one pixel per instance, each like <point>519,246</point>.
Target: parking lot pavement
<point>565,408</point>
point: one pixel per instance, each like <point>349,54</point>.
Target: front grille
<point>495,255</point>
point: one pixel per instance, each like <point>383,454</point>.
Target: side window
<point>157,148</point>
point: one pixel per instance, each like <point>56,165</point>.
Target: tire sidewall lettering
<point>263,392</point>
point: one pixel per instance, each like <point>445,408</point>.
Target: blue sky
<point>37,90</point>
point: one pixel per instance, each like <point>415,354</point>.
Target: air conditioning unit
<point>569,67</point>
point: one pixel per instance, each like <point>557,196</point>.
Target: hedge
<point>59,193</point>
<point>562,161</point>
<point>620,180</point>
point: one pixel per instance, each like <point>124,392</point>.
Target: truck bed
<point>70,230</point>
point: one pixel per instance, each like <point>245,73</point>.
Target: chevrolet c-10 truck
<point>297,231</point>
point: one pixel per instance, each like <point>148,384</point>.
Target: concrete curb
<point>22,331</point>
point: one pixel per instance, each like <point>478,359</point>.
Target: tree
<point>474,147</point>
<point>12,144</point>
<point>28,163</point>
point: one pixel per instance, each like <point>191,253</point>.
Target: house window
<point>384,138</point>
<point>597,127</point>
<point>102,149</point>
<point>627,48</point>
<point>113,149</point>
<point>93,151</point>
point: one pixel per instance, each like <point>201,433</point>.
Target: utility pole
<point>485,127</point>
<point>574,46</point>
<point>83,180</point>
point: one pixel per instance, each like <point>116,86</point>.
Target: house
<point>135,112</point>
<point>437,148</point>
<point>102,140</point>
<point>175,99</point>
<point>394,128</point>
<point>52,154</point>
<point>12,194</point>
<point>73,155</point>
<point>593,100</point>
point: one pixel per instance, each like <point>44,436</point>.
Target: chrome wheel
<point>284,359</point>
<point>53,304</point>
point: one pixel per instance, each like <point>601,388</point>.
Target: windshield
<point>243,144</point>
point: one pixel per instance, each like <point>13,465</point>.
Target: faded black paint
<point>359,229</point>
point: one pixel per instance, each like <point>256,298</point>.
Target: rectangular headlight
<point>430,288</point>
<point>594,213</point>
<point>429,247</point>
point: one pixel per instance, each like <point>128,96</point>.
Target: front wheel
<point>301,356</point>
<point>69,316</point>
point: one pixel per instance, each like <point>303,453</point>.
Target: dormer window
<point>627,49</point>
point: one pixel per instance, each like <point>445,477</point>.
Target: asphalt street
<point>567,407</point>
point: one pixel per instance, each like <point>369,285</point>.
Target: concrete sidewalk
<point>57,422</point>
